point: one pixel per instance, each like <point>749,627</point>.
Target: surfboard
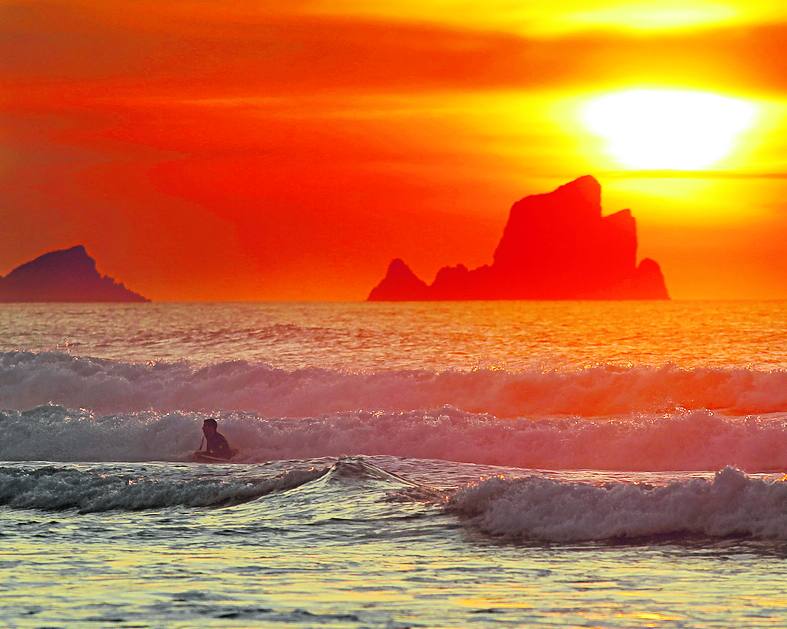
<point>201,457</point>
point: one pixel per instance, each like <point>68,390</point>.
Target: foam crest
<point>56,489</point>
<point>730,505</point>
<point>685,440</point>
<point>28,379</point>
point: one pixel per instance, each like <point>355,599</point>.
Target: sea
<point>453,464</point>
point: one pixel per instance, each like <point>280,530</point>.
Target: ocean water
<point>401,465</point>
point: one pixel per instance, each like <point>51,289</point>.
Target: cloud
<point>87,51</point>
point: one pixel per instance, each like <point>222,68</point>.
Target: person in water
<point>217,445</point>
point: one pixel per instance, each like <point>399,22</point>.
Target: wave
<point>29,379</point>
<point>684,440</point>
<point>730,505</point>
<point>56,489</point>
<point>532,508</point>
<point>53,488</point>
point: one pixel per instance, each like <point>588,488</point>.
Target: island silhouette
<point>68,275</point>
<point>555,245</point>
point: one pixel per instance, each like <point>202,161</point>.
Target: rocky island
<point>68,275</point>
<point>555,246</point>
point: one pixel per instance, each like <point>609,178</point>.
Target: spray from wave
<point>29,379</point>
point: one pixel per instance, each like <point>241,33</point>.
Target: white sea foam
<point>28,379</point>
<point>730,505</point>
<point>685,440</point>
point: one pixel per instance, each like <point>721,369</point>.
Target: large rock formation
<point>399,279</point>
<point>554,246</point>
<point>66,275</point>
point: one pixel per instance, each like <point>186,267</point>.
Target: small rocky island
<point>67,275</point>
<point>555,246</point>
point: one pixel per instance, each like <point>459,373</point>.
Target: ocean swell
<point>540,509</point>
<point>29,379</point>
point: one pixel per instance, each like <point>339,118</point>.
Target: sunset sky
<point>288,150</point>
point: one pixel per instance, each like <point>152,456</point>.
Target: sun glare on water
<point>657,129</point>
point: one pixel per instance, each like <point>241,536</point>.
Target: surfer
<point>217,446</point>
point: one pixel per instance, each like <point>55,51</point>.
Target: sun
<point>661,129</point>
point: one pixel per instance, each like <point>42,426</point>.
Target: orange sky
<point>270,150</point>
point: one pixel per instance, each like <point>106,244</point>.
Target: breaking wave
<point>730,505</point>
<point>56,489</point>
<point>53,488</point>
<point>29,379</point>
<point>684,440</point>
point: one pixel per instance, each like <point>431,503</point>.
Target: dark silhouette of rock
<point>66,275</point>
<point>554,246</point>
<point>399,280</point>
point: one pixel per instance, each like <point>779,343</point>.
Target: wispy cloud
<point>87,51</point>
